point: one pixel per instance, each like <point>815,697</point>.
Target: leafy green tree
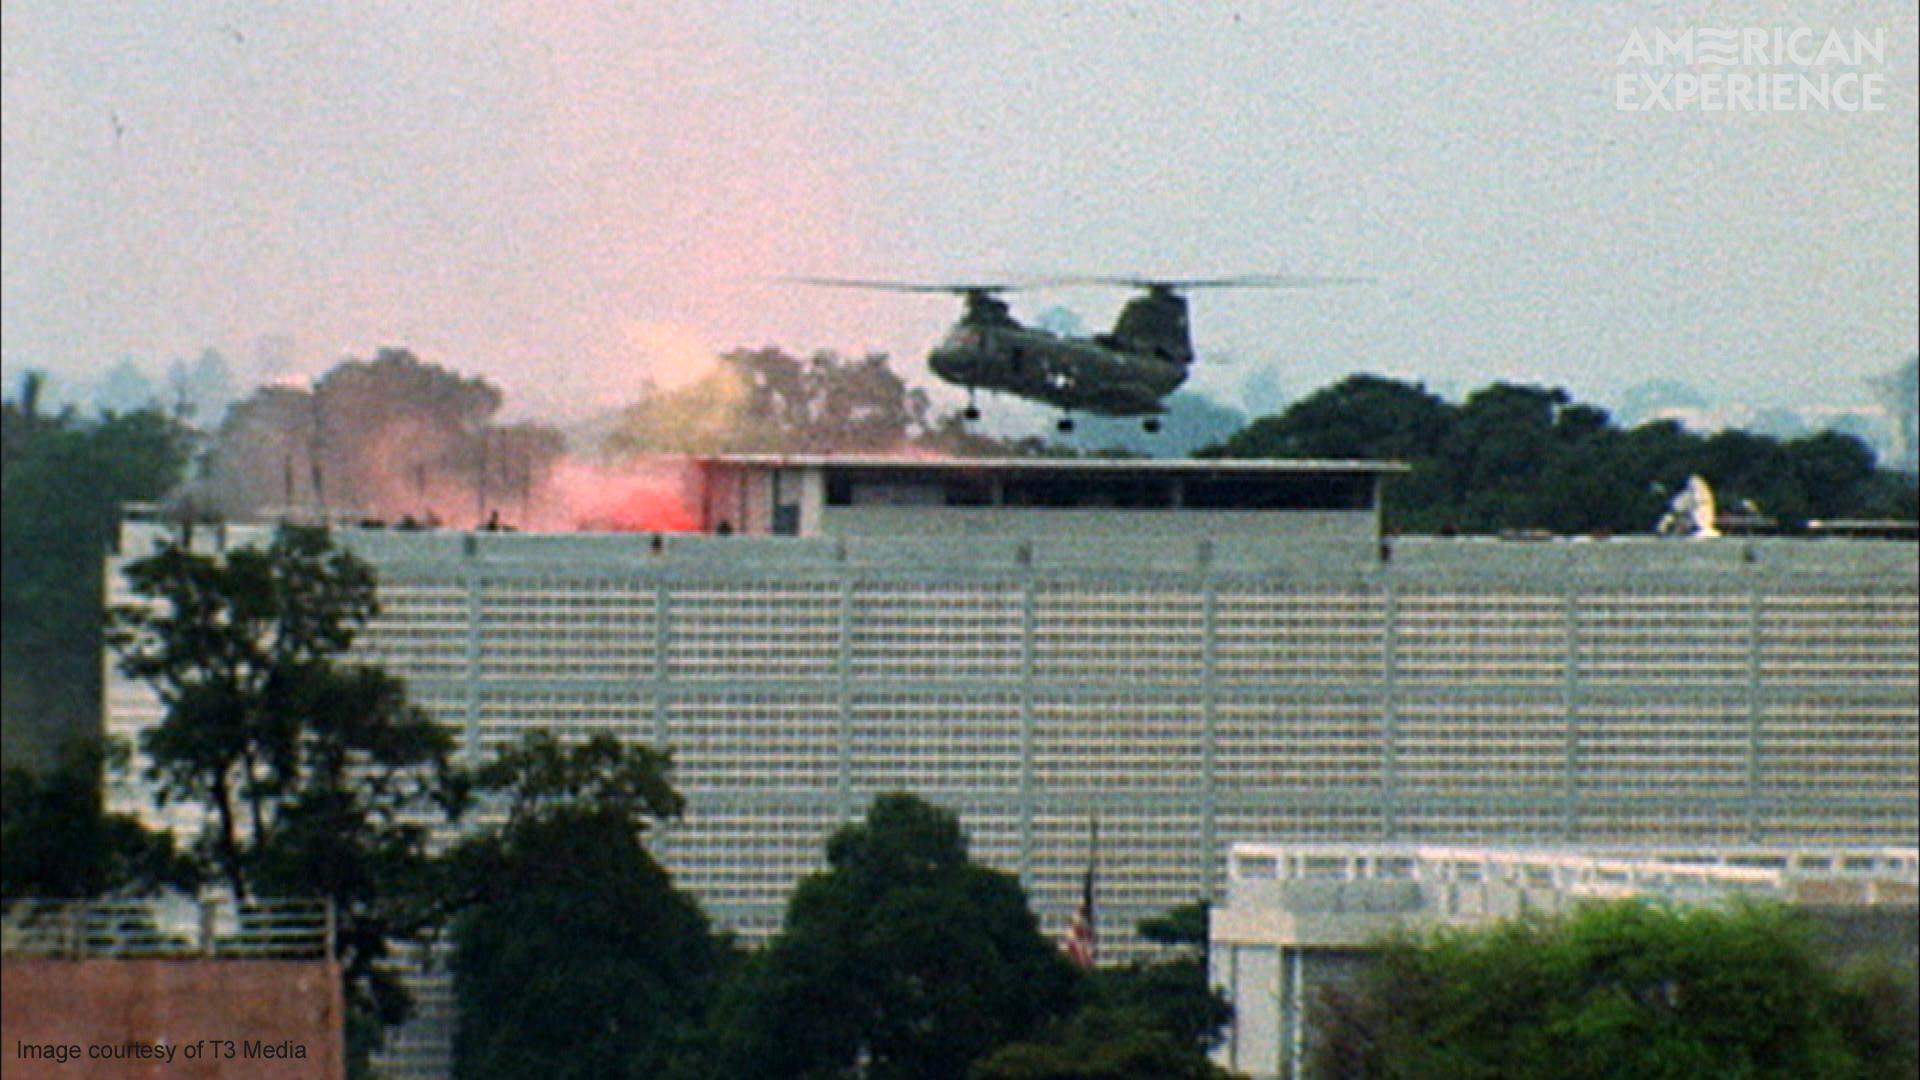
<point>58,842</point>
<point>1360,416</point>
<point>1100,1043</point>
<point>1831,472</point>
<point>1170,990</point>
<point>1527,457</point>
<point>1506,443</point>
<point>1879,1015</point>
<point>574,955</point>
<point>1181,927</point>
<point>63,482</point>
<point>903,960</point>
<point>317,776</point>
<point>1149,1018</point>
<point>1364,416</point>
<point>1629,990</point>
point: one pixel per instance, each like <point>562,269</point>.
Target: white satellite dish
<point>1692,512</point>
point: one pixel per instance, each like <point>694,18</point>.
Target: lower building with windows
<point>1194,653</point>
<point>1298,921</point>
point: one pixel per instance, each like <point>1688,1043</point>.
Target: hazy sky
<point>568,196</point>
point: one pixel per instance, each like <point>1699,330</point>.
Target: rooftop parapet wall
<point>169,927</point>
<point>1100,541</point>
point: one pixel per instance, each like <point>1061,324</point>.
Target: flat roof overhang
<point>1216,466</point>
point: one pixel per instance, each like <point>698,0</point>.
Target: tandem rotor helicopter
<point>1128,371</point>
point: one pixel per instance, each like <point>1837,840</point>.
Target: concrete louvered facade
<point>1195,653</point>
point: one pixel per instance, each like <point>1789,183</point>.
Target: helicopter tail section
<point>1155,324</point>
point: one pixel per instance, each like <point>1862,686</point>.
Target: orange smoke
<point>657,494</point>
<point>911,451</point>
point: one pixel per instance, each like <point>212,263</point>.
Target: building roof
<point>1041,464</point>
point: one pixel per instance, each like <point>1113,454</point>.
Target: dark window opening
<point>908,487</point>
<point>1090,491</point>
<point>1280,491</point>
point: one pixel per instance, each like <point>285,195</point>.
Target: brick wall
<point>220,1018</point>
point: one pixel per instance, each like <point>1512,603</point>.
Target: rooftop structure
<point>892,496</point>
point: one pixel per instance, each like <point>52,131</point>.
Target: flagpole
<point>1093,864</point>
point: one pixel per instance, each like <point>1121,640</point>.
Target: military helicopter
<point>1128,371</point>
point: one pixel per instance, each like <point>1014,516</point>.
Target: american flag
<point>1083,938</point>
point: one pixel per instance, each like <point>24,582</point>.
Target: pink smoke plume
<point>652,494</point>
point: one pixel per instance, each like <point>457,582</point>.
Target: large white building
<point>1194,652</point>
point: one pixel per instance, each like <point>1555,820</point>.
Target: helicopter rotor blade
<point>1243,281</point>
<point>993,288</point>
<point>952,288</point>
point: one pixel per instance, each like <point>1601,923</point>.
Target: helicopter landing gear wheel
<point>1065,425</point>
<point>970,413</point>
<point>1151,425</point>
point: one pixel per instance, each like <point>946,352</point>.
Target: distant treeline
<point>1527,457</point>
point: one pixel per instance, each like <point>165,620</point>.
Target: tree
<point>1879,1015</point>
<point>56,840</point>
<point>1360,416</point>
<point>765,400</point>
<point>64,481</point>
<point>1830,472</point>
<point>574,955</point>
<point>903,960</point>
<point>1364,416</point>
<point>1629,990</point>
<point>1527,457</point>
<point>1153,1018</point>
<point>388,437</point>
<point>1171,990</point>
<point>1100,1044</point>
<point>317,775</point>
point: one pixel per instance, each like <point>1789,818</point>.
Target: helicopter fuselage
<point>1125,373</point>
<point>1071,373</point>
